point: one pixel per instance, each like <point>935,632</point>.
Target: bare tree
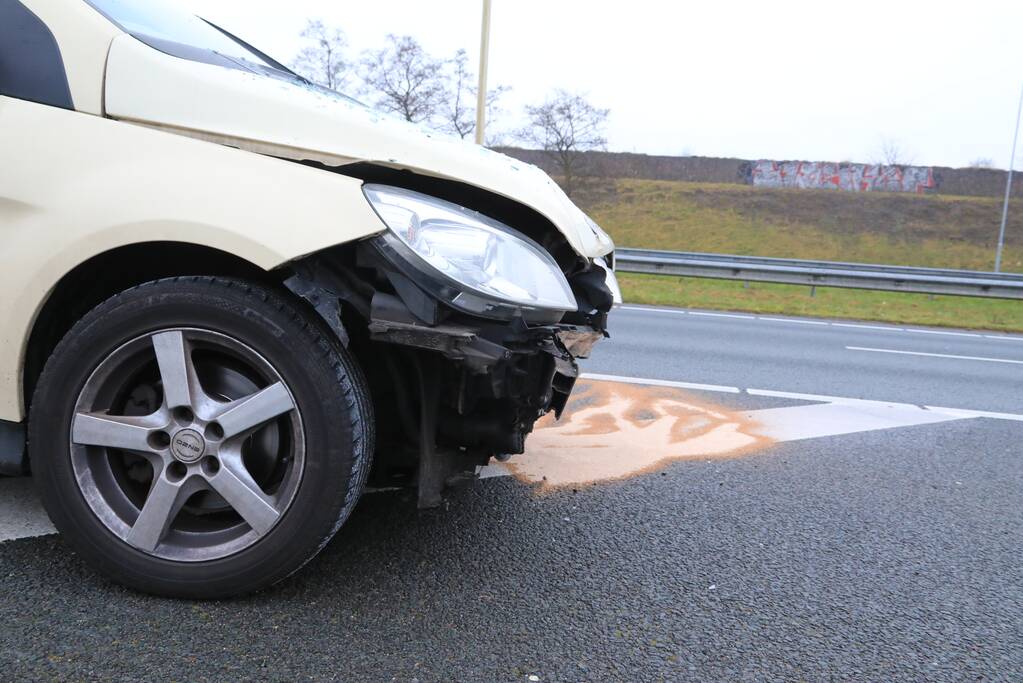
<point>458,112</point>
<point>982,162</point>
<point>323,60</point>
<point>403,78</point>
<point>892,153</point>
<point>459,109</point>
<point>565,126</point>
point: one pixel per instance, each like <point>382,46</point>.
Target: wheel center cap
<point>188,445</point>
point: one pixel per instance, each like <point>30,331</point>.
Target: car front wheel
<point>200,437</point>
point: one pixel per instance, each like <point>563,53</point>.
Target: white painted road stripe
<point>795,321</point>
<point>825,416</point>
<point>935,355</point>
<point>798,396</point>
<point>882,328</point>
<point>823,323</point>
<point>722,315</point>
<point>22,516</point>
<point>947,334</point>
<point>795,423</point>
<point>671,311</point>
<point>21,513</point>
<point>661,383</point>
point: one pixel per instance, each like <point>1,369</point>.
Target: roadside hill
<point>904,229</point>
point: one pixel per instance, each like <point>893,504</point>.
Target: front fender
<point>74,185</point>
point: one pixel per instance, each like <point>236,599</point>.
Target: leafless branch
<point>565,126</point>
<point>459,109</point>
<point>323,59</point>
<point>404,79</point>
<point>892,153</point>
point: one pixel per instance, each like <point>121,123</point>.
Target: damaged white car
<point>232,299</point>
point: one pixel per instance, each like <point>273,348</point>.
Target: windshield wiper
<point>267,59</point>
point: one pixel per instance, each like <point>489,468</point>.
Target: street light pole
<point>481,96</point>
<point>1008,188</point>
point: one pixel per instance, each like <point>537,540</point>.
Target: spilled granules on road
<point>612,431</point>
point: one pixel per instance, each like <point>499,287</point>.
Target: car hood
<point>285,118</point>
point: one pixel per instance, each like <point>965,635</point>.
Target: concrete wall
<point>847,177</point>
<point>628,165</point>
<point>980,182</point>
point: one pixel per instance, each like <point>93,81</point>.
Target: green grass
<point>888,228</point>
<point>899,229</point>
<point>830,302</point>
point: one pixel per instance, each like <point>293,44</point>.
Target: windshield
<point>169,28</point>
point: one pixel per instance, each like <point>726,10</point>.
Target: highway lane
<point>814,356</point>
<point>885,554</point>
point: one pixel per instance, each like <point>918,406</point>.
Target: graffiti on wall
<point>847,176</point>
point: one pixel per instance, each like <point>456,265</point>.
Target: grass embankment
<point>933,231</point>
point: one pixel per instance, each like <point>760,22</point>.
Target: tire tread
<point>349,376</point>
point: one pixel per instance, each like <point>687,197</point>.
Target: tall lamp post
<point>1008,188</point>
<point>481,95</point>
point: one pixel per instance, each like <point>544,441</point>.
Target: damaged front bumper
<point>451,390</point>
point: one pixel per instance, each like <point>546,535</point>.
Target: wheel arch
<point>101,276</point>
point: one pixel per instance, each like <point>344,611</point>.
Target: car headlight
<point>466,259</point>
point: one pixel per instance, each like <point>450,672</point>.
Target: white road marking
<point>947,334</point>
<point>672,311</point>
<point>822,323</point>
<point>22,516</point>
<point>935,355</point>
<point>799,396</point>
<point>723,315</point>
<point>21,513</point>
<point>494,469</point>
<point>661,383</point>
<point>794,321</point>
<point>818,420</point>
<point>821,398</point>
<point>826,416</point>
<point>884,328</point>
<point>842,400</point>
<point>1011,417</point>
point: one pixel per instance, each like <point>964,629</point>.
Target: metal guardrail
<point>821,273</point>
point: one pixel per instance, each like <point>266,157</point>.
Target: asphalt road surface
<point>878,537</point>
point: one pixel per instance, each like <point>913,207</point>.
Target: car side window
<point>31,67</point>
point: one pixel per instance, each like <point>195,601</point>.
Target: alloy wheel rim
<point>187,444</point>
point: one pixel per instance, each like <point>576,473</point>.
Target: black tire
<point>329,392</point>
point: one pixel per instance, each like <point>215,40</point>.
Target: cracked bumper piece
<point>450,389</point>
<point>532,369</point>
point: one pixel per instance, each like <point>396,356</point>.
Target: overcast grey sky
<point>781,80</point>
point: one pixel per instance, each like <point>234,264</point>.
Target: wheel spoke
<point>199,500</point>
<point>173,355</point>
<point>252,411</point>
<point>161,507</point>
<point>234,483</point>
<point>126,432</point>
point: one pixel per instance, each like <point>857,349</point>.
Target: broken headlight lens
<point>469,260</point>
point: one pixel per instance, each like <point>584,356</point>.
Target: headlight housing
<point>466,259</point>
